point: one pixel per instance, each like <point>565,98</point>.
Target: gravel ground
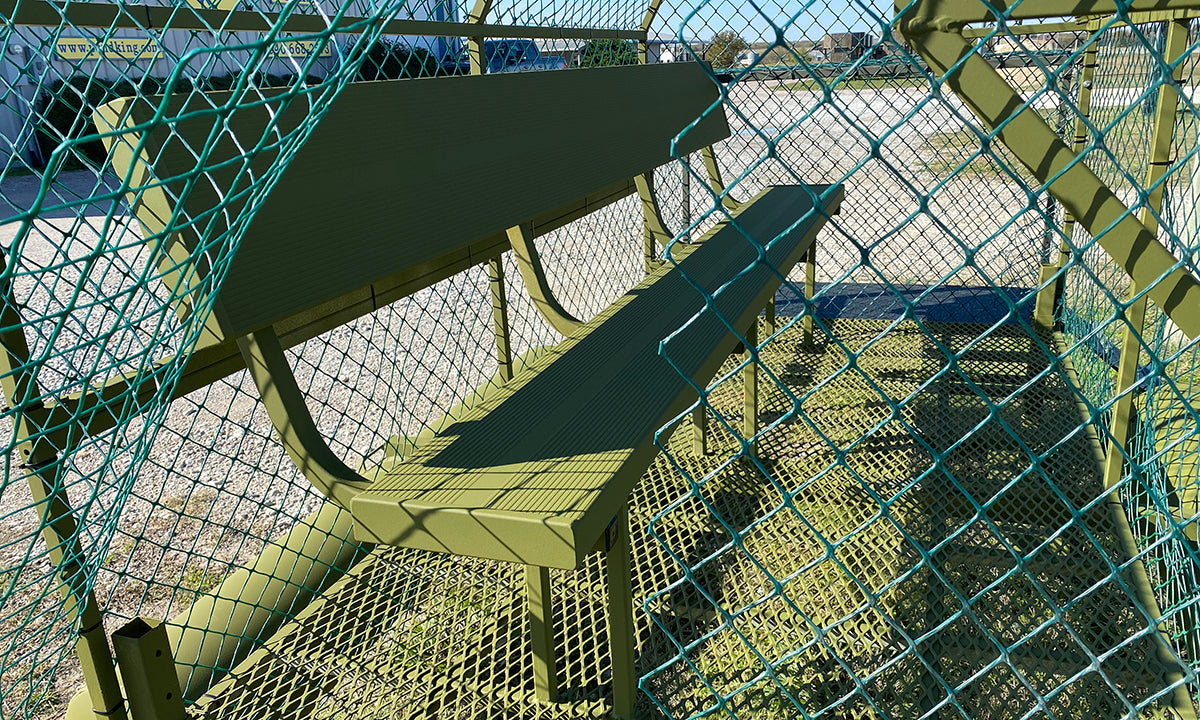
<point>215,484</point>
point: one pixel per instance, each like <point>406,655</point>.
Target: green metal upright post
<point>643,45</point>
<point>541,632</point>
<point>475,46</point>
<point>620,620</point>
<point>1051,294</point>
<point>700,430</point>
<point>685,182</point>
<point>144,657</point>
<point>500,317</point>
<point>1135,314</point>
<point>810,289</point>
<point>750,385</point>
<point>43,466</point>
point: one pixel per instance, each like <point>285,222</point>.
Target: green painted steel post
<point>43,465</point>
<point>1135,314</point>
<point>1043,310</point>
<point>714,178</point>
<point>540,612</point>
<point>646,181</point>
<point>1001,109</point>
<point>810,289</point>
<point>1050,296</point>
<point>620,620</point>
<point>144,658</point>
<point>750,388</point>
<point>475,52</point>
<point>700,430</point>
<point>685,182</point>
<point>475,46</point>
<point>1135,572</point>
<point>500,317</point>
<point>650,226</point>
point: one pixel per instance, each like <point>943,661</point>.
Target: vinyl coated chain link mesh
<point>921,527</point>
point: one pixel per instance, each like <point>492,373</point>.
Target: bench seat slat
<point>535,474</point>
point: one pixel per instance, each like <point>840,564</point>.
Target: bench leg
<point>810,289</point>
<point>700,430</point>
<point>541,632</point>
<point>750,382</point>
<point>620,621</point>
<point>770,316</point>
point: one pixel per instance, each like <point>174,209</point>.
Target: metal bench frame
<point>261,319</point>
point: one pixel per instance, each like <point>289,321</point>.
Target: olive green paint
<point>42,466</point>
<point>148,672</point>
<point>534,474</point>
<point>529,263</point>
<point>810,291</point>
<point>1161,142</point>
<point>187,17</point>
<point>714,179</point>
<point>305,445</point>
<point>620,619</point>
<point>500,317</point>
<point>750,388</point>
<point>541,632</point>
<point>1129,242</point>
<point>371,188</point>
<point>952,15</point>
<point>1133,574</point>
<point>652,213</point>
<point>254,601</point>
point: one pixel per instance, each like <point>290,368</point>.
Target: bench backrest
<point>399,174</point>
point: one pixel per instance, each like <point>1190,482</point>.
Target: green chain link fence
<point>923,529</point>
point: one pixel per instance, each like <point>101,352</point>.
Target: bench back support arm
<point>289,414</point>
<point>651,211</point>
<point>715,181</point>
<point>534,277</point>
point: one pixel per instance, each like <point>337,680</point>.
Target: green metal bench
<point>402,185</point>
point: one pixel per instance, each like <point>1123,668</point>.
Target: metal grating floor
<point>880,582</point>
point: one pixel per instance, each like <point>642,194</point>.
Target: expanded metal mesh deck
<point>898,578</point>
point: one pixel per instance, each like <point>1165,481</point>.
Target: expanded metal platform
<point>882,559</point>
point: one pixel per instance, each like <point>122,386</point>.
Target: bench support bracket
<point>534,276</point>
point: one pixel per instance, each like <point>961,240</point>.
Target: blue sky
<point>812,19</point>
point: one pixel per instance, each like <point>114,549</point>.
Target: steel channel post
<point>540,612</point>
<point>1161,143</point>
<point>475,51</point>
<point>619,578</point>
<point>1015,123</point>
<point>500,317</point>
<point>1050,297</point>
<point>750,388</point>
<point>810,289</point>
<point>43,464</point>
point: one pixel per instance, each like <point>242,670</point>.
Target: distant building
<point>569,50</point>
<point>669,49</point>
<point>845,47</point>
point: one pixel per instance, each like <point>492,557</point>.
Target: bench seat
<point>397,187</point>
<point>535,474</point>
